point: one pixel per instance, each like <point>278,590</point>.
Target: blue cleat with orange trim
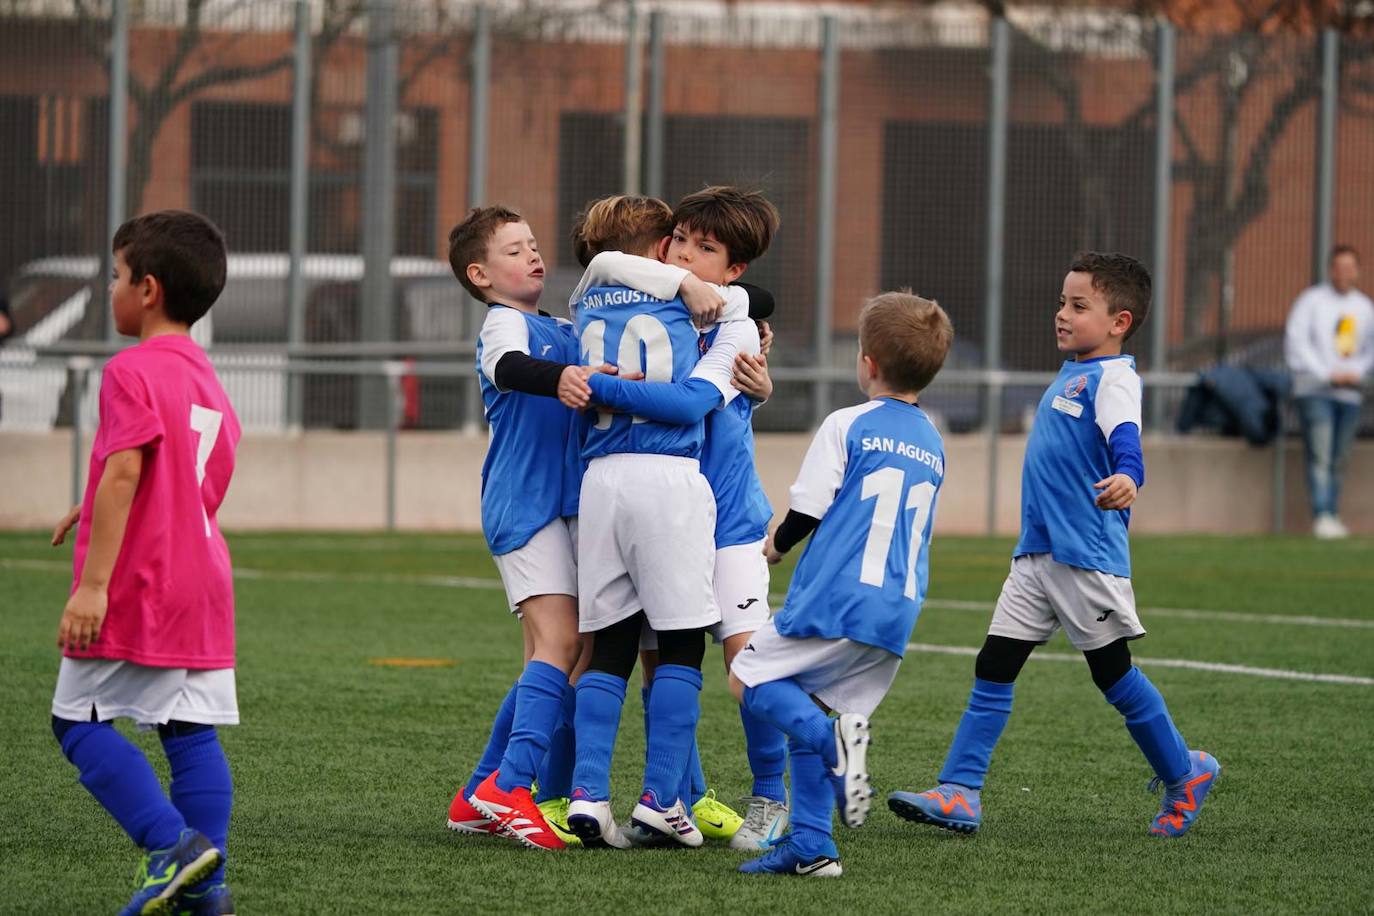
<point>947,806</point>
<point>1183,800</point>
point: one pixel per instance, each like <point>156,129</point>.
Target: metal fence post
<point>479,89</point>
<point>826,184</point>
<point>999,93</point>
<point>299,203</point>
<point>117,162</point>
<point>1164,161</point>
<point>1326,153</point>
<point>78,372</point>
<point>653,138</point>
<point>634,92</point>
<point>392,370</point>
<point>379,196</point>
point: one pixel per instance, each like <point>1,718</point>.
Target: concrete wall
<point>336,480</point>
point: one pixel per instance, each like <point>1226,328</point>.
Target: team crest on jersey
<point>1074,387</point>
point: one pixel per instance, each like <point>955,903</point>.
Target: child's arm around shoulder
<point>507,363</point>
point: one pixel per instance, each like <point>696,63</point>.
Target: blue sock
<point>496,743</point>
<point>813,802</point>
<point>202,788</point>
<point>790,710</point>
<point>600,697</point>
<point>989,707</point>
<point>1147,719</point>
<point>644,699</point>
<point>555,774</point>
<point>537,705</point>
<point>767,751</point>
<point>696,776</point>
<point>674,707</point>
<point>123,781</point>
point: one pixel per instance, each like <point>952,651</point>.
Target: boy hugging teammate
<point>1072,565</point>
<point>867,488</point>
<point>148,632</point>
<point>717,233</point>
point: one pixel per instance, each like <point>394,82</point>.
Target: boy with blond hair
<point>1072,564</point>
<point>867,488</point>
<point>148,631</point>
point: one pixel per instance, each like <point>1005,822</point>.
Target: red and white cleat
<point>463,818</point>
<point>515,814</point>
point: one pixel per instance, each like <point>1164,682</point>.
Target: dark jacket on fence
<point>1236,401</point>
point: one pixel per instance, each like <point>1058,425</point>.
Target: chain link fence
<point>337,141</point>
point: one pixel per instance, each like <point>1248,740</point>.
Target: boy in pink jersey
<point>148,632</point>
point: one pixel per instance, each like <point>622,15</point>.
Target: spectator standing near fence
<point>1329,347</point>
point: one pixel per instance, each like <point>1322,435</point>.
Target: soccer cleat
<point>850,777</point>
<point>591,821</point>
<point>715,819</point>
<point>165,874</point>
<point>947,806</point>
<point>1183,800</point>
<point>515,814</point>
<point>671,821</point>
<point>214,900</point>
<point>643,838</point>
<point>463,818</point>
<point>783,859</point>
<point>764,821</point>
<point>555,811</point>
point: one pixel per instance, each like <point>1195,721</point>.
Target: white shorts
<point>150,696</point>
<point>846,676</point>
<point>1040,595</point>
<point>545,565</point>
<point>646,542</point>
<point>741,586</point>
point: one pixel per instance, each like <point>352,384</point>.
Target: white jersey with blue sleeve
<point>1066,453</point>
<point>526,467</point>
<point>871,476</point>
<point>638,333</point>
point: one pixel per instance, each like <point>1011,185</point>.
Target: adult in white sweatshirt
<point>1329,346</point>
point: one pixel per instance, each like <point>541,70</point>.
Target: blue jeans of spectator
<point>1328,429</point>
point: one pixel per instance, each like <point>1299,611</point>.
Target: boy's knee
<point>737,689</point>
<point>1109,664</point>
<point>682,647</point>
<point>60,727</point>
<point>1001,658</point>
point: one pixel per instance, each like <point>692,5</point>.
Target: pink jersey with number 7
<point>172,590</point>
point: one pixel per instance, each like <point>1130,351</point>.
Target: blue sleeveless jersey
<point>527,471</point>
<point>638,333</point>
<point>1066,453</point>
<point>871,476</point>
<point>727,462</point>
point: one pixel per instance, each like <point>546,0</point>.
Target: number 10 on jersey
<point>885,485</point>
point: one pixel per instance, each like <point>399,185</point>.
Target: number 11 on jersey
<point>886,486</point>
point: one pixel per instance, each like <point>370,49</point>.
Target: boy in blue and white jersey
<point>530,385</point>
<point>868,488</point>
<point>718,232</point>
<point>646,550</point>
<point>1072,565</point>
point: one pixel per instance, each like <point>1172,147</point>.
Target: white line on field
<point>1302,620</point>
<point>1279,673</point>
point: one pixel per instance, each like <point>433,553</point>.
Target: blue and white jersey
<point>871,476</point>
<point>727,459</point>
<point>1066,453</point>
<point>526,468</point>
<point>638,333</point>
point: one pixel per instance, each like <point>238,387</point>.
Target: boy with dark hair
<point>148,632</point>
<point>867,488</point>
<point>1072,565</point>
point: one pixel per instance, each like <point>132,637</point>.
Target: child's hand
<point>701,300</point>
<point>59,534</point>
<point>573,390</point>
<point>81,621</point>
<point>770,552</point>
<point>1118,492</point>
<point>751,376</point>
<point>765,337</point>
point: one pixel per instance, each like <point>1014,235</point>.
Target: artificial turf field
<point>344,768</point>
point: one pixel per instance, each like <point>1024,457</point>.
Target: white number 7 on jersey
<point>205,422</point>
<point>886,485</point>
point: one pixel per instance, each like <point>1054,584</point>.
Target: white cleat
<point>673,822</point>
<point>594,825</point>
<point>1328,527</point>
<point>764,821</point>
<point>853,794</point>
